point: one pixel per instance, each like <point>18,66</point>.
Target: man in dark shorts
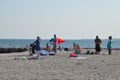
<point>97,45</point>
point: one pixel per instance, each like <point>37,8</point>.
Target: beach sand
<point>60,67</point>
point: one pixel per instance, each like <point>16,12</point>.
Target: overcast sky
<point>68,19</point>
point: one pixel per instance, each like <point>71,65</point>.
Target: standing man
<point>55,44</point>
<point>37,46</point>
<point>97,45</point>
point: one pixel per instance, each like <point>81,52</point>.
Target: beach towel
<point>43,52</point>
<point>80,57</point>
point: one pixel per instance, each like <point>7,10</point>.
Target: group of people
<point>35,46</point>
<point>98,43</point>
<point>77,49</point>
<point>36,49</point>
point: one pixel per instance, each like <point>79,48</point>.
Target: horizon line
<point>62,38</point>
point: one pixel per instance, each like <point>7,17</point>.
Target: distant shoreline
<point>11,50</point>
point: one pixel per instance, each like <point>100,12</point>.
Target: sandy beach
<point>60,67</point>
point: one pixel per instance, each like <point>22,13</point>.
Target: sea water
<point>84,43</point>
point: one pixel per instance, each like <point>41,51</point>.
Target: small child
<point>48,48</point>
<point>109,45</point>
<point>59,48</point>
<point>30,50</point>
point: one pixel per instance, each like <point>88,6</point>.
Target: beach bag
<point>72,55</point>
<point>88,52</point>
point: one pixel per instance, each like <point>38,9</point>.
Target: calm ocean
<point>84,43</point>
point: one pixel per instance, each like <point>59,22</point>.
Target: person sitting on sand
<point>59,48</point>
<point>48,47</point>
<point>32,49</point>
<point>77,49</point>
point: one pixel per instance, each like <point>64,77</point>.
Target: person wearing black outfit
<point>97,45</point>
